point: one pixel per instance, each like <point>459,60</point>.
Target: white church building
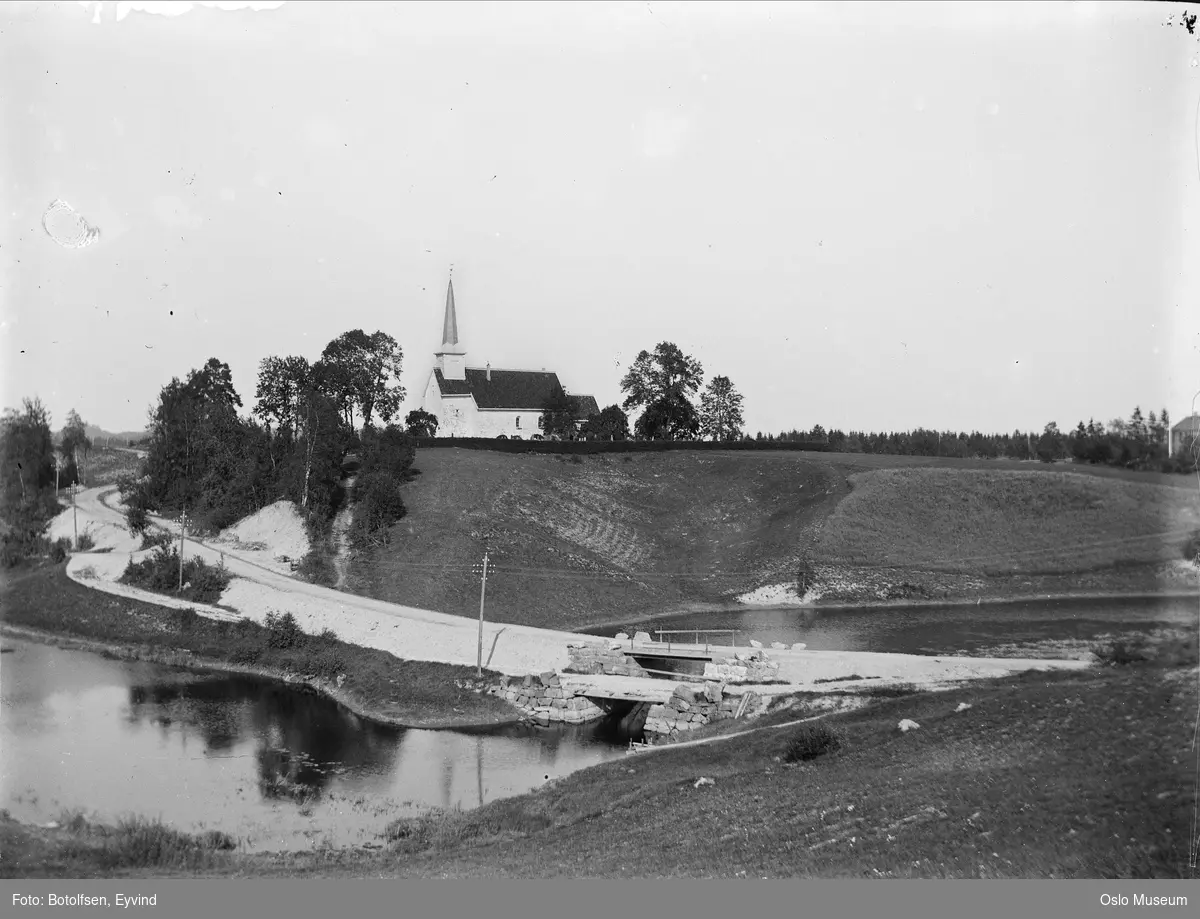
<point>486,402</point>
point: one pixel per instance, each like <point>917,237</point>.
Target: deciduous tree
<point>721,411</point>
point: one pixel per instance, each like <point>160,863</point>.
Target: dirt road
<point>421,634</point>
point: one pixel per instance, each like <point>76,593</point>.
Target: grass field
<point>608,537</point>
<point>999,522</point>
<point>376,684</point>
<point>1081,774</point>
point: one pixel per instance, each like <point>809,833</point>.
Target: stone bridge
<point>607,678</point>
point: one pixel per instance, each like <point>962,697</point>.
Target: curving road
<point>421,634</point>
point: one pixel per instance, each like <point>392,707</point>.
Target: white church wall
<point>494,422</point>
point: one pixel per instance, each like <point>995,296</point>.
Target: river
<point>1021,629</point>
<point>274,766</point>
<point>281,768</point>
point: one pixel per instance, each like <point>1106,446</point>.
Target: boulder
<point>684,692</point>
<point>545,678</point>
<point>713,691</point>
<point>642,637</point>
<point>621,636</point>
<point>755,644</point>
<point>528,680</point>
<point>799,646</point>
<point>963,706</point>
<point>778,646</point>
<point>614,646</point>
<point>907,725</point>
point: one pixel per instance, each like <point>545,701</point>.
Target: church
<point>485,402</point>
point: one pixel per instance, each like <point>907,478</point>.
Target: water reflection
<point>273,765</point>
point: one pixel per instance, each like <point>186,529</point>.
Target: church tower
<point>451,358</point>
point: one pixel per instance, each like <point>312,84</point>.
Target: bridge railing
<point>695,633</point>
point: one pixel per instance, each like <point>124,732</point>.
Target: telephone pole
<point>182,522</point>
<point>75,514</point>
<point>482,594</point>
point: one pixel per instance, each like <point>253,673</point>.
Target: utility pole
<point>482,594</point>
<point>56,476</point>
<point>182,523</point>
<point>75,513</point>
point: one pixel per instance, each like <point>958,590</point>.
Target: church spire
<point>450,325</point>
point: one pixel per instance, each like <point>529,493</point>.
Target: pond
<point>274,766</point>
<point>1035,628</point>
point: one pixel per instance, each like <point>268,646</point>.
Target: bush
<point>59,550</point>
<point>810,741</point>
<point>284,631</point>
<point>154,539</point>
<point>1121,653</point>
<point>85,543</point>
<point>160,572</point>
<point>1191,549</point>
<point>317,568</point>
<point>379,506</point>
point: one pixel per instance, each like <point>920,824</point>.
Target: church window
<point>518,421</point>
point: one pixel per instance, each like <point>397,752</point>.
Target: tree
<point>361,371</point>
<point>1049,445</point>
<point>27,452</point>
<point>1137,426</point>
<point>668,418</point>
<point>662,382</point>
<point>558,414</point>
<point>420,423</point>
<point>721,410</point>
<point>609,424</point>
<point>282,383</point>
<point>74,439</point>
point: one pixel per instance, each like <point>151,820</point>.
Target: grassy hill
<point>605,537</point>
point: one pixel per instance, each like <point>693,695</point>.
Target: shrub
<point>59,550</point>
<point>188,619</point>
<point>1121,653</point>
<point>317,568</point>
<point>283,631</point>
<point>1191,549</point>
<point>379,506</point>
<point>153,539</point>
<point>85,543</point>
<point>810,741</point>
<point>160,572</point>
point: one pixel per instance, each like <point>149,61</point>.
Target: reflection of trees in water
<point>205,708</point>
<point>303,738</point>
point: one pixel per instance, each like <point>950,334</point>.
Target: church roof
<point>510,389</point>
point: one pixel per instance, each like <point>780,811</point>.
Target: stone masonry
<point>689,707</point>
<point>743,667</point>
<point>605,657</point>
<point>542,698</point>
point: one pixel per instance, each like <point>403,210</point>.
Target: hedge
<point>587,447</point>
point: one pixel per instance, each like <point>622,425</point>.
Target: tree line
<point>1139,442</point>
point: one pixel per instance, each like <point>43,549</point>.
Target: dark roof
<point>1189,425</point>
<point>509,389</point>
<point>586,406</point>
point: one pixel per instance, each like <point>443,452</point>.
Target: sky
<point>869,216</point>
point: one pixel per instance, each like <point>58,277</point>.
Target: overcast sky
<point>876,217</point>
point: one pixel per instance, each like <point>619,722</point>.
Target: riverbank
<point>45,604</point>
<point>1071,774</point>
<point>685,609</point>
